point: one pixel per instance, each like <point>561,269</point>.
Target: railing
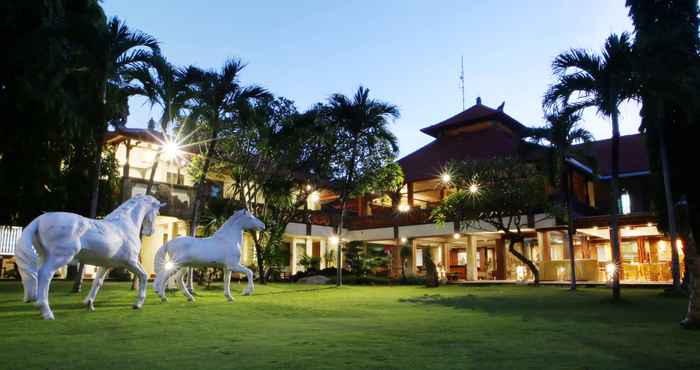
<point>8,239</point>
<point>388,219</point>
<point>179,198</point>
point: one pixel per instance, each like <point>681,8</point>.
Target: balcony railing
<point>179,198</point>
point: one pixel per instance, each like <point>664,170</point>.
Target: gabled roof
<point>140,134</point>
<point>475,114</point>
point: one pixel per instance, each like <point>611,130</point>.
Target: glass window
<point>556,245</point>
<point>604,252</point>
<point>625,203</point>
<point>663,249</point>
<point>419,257</point>
<point>630,251</point>
<point>462,258</point>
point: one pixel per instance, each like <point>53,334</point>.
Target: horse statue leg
<point>182,285</point>
<point>46,272</point>
<point>96,285</point>
<point>136,269</point>
<point>249,274</point>
<point>161,282</point>
<point>227,284</point>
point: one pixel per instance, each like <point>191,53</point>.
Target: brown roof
<point>474,114</point>
<point>142,134</point>
<point>426,162</point>
<point>634,157</point>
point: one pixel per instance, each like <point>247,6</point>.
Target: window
<point>462,258</point>
<point>216,189</point>
<point>175,178</point>
<point>556,245</point>
<point>663,249</point>
<point>419,257</point>
<point>630,252</point>
<point>625,203</point>
<point>604,252</point>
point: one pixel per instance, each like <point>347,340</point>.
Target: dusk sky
<point>406,52</point>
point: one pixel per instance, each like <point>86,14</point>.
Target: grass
<point>401,327</point>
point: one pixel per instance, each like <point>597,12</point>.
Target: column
<point>471,259</point>
<point>293,253</point>
<point>413,256</point>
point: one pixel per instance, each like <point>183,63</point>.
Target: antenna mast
<point>461,82</point>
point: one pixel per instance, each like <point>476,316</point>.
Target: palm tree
<point>217,100</point>
<point>602,82</point>
<point>560,133</point>
<point>363,143</point>
<point>163,84</point>
<point>108,55</point>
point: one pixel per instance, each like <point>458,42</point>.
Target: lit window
<point>625,204</point>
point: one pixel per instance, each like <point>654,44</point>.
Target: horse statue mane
<point>127,206</point>
<point>231,221</point>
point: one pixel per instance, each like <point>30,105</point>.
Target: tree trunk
<point>199,194</point>
<point>149,187</point>
<point>261,263</point>
<point>100,132</point>
<point>614,198</point>
<point>339,268</point>
<point>523,259</point>
<point>670,210</point>
<point>692,258</point>
<point>431,276</point>
<point>570,223</point>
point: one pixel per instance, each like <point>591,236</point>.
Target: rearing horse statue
<point>53,239</point>
<point>223,249</point>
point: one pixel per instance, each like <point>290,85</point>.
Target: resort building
<point>474,253</point>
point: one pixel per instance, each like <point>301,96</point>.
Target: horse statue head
<point>153,209</point>
<point>245,220</point>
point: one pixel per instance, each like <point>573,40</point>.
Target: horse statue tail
<point>28,260</point>
<point>160,266</point>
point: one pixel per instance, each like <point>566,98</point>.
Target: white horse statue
<point>53,239</point>
<point>223,249</point>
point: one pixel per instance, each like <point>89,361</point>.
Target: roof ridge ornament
<point>478,100</point>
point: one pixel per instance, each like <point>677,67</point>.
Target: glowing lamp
<point>171,149</point>
<point>610,268</point>
<point>404,240</point>
<point>520,273</point>
<point>456,236</point>
<point>169,266</point>
<point>403,208</point>
<point>315,197</point>
<point>334,240</point>
<point>445,177</point>
<point>473,188</point>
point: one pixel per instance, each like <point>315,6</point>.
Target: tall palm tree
<point>217,100</point>
<point>363,142</point>
<point>602,82</point>
<point>164,85</point>
<point>108,55</point>
<point>561,133</point>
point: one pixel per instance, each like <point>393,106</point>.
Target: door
<point>486,262</point>
<point>458,264</point>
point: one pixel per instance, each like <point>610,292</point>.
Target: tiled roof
<point>634,157</point>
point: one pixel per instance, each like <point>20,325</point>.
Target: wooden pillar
<point>412,243</point>
<point>361,205</point>
<point>409,186</point>
<point>546,252</point>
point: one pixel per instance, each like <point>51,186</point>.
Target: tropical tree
<point>560,135</point>
<point>496,194</point>
<point>275,156</point>
<point>587,80</point>
<point>164,85</point>
<point>363,145</point>
<point>666,48</point>
<point>217,100</point>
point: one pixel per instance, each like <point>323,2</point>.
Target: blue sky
<point>406,52</point>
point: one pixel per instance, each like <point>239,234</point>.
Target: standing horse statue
<point>53,239</point>
<point>223,249</point>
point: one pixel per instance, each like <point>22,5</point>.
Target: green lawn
<point>291,326</point>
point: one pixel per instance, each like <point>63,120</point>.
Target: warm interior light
<point>595,227</point>
<point>403,240</point>
<point>520,272</point>
<point>610,268</point>
<point>403,207</point>
<point>649,224</point>
<point>308,187</point>
<point>334,240</point>
<point>456,236</point>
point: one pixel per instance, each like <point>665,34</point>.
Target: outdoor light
<point>334,240</point>
<point>628,228</point>
<point>308,187</point>
<point>403,240</point>
<point>649,224</point>
<point>403,208</point>
<point>456,236</point>
<point>520,273</point>
<point>446,178</point>
<point>315,197</point>
<point>595,227</point>
<point>171,149</point>
<point>473,188</point>
<point>610,268</point>
<point>169,266</point>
